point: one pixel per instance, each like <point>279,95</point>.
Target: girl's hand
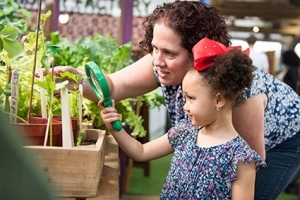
<point>108,114</point>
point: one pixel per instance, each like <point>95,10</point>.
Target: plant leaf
<point>71,76</point>
<point>1,45</point>
<point>14,48</point>
<point>9,41</point>
<point>11,33</point>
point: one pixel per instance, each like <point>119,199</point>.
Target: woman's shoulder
<point>264,82</point>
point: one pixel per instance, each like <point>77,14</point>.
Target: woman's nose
<point>158,59</point>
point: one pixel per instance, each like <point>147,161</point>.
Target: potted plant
<point>16,59</point>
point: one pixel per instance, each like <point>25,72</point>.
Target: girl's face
<point>200,103</point>
<point>171,60</point>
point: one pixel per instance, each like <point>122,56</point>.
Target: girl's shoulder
<point>182,131</point>
<point>245,154</point>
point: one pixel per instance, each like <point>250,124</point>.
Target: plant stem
<point>35,58</point>
<point>20,118</point>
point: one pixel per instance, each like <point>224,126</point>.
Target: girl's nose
<point>185,107</point>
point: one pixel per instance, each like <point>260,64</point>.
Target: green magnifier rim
<point>92,68</point>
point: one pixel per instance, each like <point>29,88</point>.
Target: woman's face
<point>171,60</point>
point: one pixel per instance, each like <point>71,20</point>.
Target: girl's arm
<point>248,120</point>
<point>134,149</point>
<point>139,152</point>
<point>243,187</point>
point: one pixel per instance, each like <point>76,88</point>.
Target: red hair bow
<point>206,51</point>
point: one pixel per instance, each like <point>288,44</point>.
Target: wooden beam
<point>265,10</point>
<point>292,31</point>
<point>126,21</point>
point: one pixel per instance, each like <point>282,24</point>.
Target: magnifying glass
<point>100,86</point>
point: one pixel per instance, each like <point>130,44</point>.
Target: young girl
<point>211,161</point>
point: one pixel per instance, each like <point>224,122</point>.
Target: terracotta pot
<point>73,121</point>
<point>34,131</point>
<point>74,126</point>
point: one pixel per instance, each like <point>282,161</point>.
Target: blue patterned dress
<point>203,173</point>
<point>282,114</point>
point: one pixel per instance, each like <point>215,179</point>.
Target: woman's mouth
<point>162,73</point>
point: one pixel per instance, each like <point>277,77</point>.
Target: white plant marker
<point>79,104</point>
<point>67,131</point>
<point>14,96</point>
<point>47,132</point>
<point>43,98</point>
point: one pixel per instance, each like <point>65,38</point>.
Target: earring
<point>218,108</point>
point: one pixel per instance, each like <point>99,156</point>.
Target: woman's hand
<point>57,71</point>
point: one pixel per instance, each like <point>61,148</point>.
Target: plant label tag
<point>14,96</point>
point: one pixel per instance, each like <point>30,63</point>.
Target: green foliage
<point>19,55</point>
<point>12,14</point>
<point>111,57</point>
<point>9,42</point>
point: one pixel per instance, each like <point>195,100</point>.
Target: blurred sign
<point>109,7</point>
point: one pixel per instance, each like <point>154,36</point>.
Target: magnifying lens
<point>100,86</point>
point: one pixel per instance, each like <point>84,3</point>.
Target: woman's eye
<point>154,49</point>
<point>170,54</point>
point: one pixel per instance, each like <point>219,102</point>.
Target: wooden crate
<point>76,171</point>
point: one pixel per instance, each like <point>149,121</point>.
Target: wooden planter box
<point>76,171</point>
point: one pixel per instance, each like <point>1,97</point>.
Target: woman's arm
<point>134,80</point>
<point>131,81</point>
<point>243,187</point>
<point>248,120</point>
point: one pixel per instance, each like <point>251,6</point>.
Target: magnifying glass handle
<point>117,125</point>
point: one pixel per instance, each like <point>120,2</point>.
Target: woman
<point>269,119</point>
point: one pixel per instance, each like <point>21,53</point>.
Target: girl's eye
<point>189,98</point>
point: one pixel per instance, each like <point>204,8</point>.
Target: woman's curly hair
<point>230,74</point>
<point>191,20</point>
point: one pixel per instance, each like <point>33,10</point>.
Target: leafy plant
<point>18,54</point>
<point>111,57</point>
<point>103,50</point>
<point>12,15</point>
<point>10,48</point>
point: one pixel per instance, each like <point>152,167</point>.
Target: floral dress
<point>203,173</point>
<point>281,117</point>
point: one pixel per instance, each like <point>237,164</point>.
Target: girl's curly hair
<point>230,74</point>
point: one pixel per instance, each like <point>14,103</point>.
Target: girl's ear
<point>220,100</point>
